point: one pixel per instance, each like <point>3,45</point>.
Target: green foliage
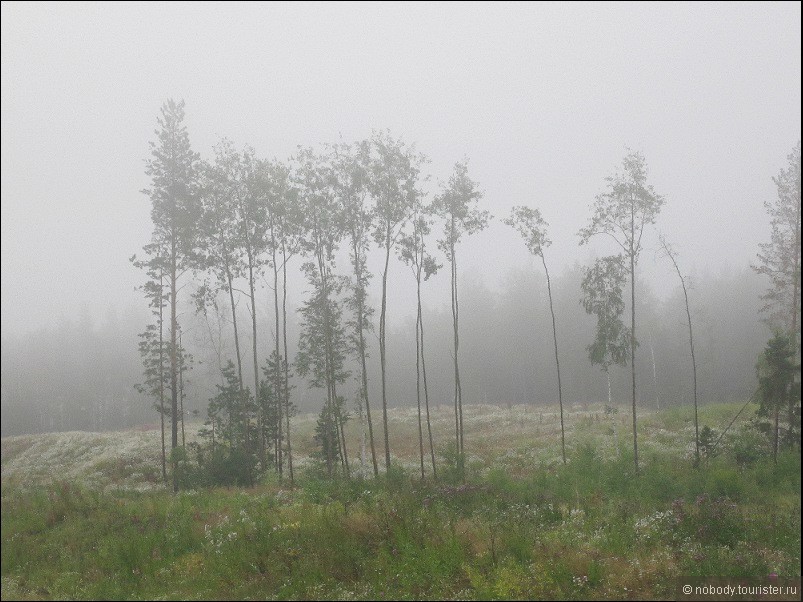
<point>453,461</point>
<point>777,395</point>
<point>230,410</point>
<point>708,440</point>
<point>602,295</point>
<point>779,259</point>
<point>327,436</point>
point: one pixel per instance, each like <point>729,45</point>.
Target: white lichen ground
<point>513,438</point>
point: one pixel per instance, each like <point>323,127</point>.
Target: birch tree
<point>393,184</point>
<point>456,205</point>
<point>322,340</point>
<point>532,228</point>
<point>222,254</point>
<point>414,253</point>
<point>673,258</point>
<point>350,178</point>
<point>622,213</point>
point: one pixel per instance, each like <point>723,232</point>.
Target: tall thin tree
<point>350,179</point>
<point>320,343</point>
<point>673,258</point>
<point>414,253</point>
<point>456,206</point>
<point>174,212</point>
<point>393,183</point>
<point>622,212</point>
<point>532,227</point>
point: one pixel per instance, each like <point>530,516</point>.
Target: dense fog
<point>540,101</point>
<point>81,377</point>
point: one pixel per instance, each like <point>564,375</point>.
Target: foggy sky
<point>543,100</point>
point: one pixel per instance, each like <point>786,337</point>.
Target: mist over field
<point>400,300</point>
<point>543,101</point>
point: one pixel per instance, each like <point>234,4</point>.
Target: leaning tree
<point>532,227</point>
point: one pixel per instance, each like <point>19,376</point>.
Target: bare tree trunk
<point>382,349</point>
<point>458,384</point>
<point>633,331</point>
<point>341,430</point>
<point>161,376</point>
<point>278,383</point>
<point>363,439</point>
<point>260,434</point>
<point>286,391</point>
<point>691,347</point>
<point>795,285</point>
<point>173,359</point>
<point>557,361</point>
<point>775,436</point>
<point>358,263</point>
<point>426,391</point>
<point>237,345</point>
<point>654,374</point>
<point>330,401</point>
<point>181,387</point>
<point>418,375</point>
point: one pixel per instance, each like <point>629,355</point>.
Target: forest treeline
<point>227,231</point>
<point>93,365</point>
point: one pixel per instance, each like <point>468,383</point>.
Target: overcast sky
<point>543,99</point>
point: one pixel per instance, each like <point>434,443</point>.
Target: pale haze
<point>543,99</point>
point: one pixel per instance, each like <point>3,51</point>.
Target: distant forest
<point>80,375</point>
<point>223,226</point>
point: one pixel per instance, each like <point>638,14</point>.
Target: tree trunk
<point>256,363</point>
<point>557,361</point>
<point>330,401</point>
<point>278,383</point>
<point>286,391</point>
<point>795,285</point>
<point>457,385</point>
<point>418,372</point>
<point>236,345</point>
<point>382,348</point>
<point>173,359</point>
<point>162,377</point>
<point>342,431</point>
<point>775,436</point>
<point>654,374</point>
<point>426,391</point>
<point>358,263</point>
<point>181,387</point>
<point>633,332</point>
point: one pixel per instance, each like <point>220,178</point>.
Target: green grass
<point>522,526</point>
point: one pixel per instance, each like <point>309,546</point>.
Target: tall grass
<point>589,529</point>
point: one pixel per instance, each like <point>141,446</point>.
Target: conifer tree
<point>174,212</point>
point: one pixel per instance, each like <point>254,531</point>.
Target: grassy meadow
<point>86,516</point>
